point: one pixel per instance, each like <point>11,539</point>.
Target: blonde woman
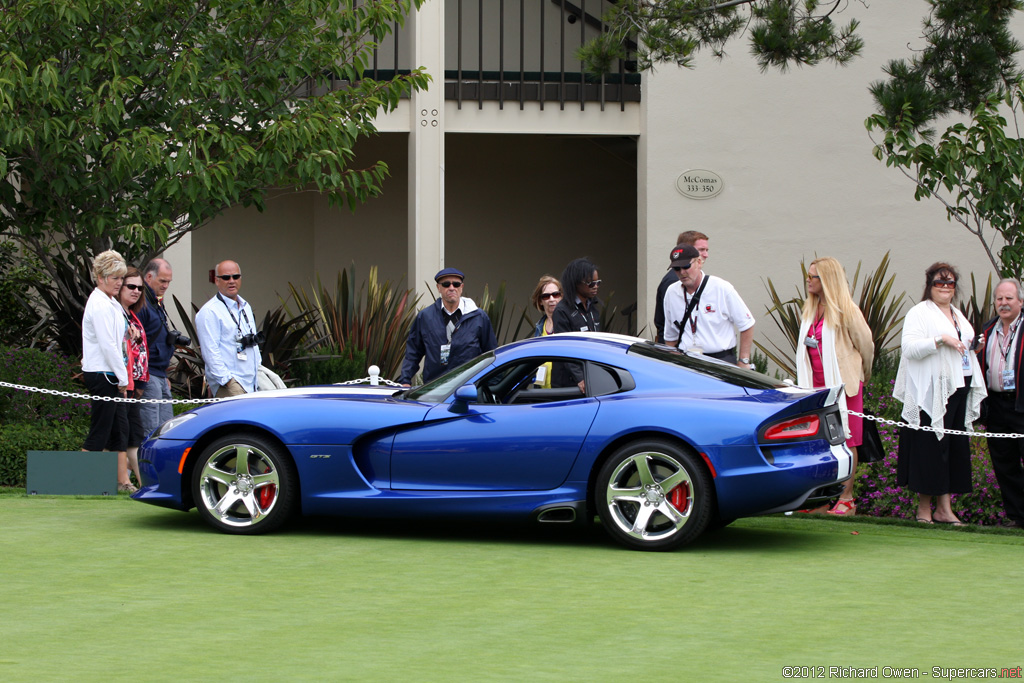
<point>836,347</point>
<point>104,362</point>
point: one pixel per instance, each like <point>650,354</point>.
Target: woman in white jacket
<point>836,348</point>
<point>940,384</point>
<point>104,361</point>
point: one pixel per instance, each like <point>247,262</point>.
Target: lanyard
<point>1006,340</point>
<point>237,321</point>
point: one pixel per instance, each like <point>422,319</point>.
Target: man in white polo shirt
<point>703,312</point>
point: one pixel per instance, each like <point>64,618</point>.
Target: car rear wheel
<point>653,495</point>
<point>244,484</point>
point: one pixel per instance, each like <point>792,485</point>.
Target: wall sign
<point>699,183</point>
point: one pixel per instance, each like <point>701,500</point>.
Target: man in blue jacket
<point>448,333</point>
<point>153,316</point>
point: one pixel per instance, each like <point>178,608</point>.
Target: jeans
<point>155,414</point>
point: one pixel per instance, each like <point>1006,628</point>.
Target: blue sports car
<point>660,445</point>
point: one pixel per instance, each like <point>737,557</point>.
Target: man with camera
<point>161,338</point>
<point>228,336</point>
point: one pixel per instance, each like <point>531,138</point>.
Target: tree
<point>129,123</point>
<point>781,32</point>
<point>968,66</point>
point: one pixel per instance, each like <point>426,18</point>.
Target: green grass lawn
<point>99,589</point>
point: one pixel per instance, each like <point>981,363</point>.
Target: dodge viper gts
<point>659,445</point>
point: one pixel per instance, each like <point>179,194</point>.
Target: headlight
<point>172,423</point>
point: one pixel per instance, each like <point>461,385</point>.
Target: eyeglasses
<point>233,276</point>
<point>947,284</point>
<point>551,295</point>
<point>450,283</point>
<point>133,287</point>
<point>686,267</point>
<point>593,283</point>
<point>813,277</point>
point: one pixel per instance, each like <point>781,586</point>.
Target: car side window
<point>521,382</point>
<point>603,380</point>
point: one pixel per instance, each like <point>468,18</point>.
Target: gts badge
<point>319,456</point>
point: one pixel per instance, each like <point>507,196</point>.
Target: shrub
<point>48,370</point>
<point>329,365</point>
<point>17,439</point>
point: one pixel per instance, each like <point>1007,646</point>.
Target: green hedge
<point>17,439</point>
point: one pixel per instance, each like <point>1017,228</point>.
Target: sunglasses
<point>948,284</point>
<point>133,287</point>
<point>686,267</point>
<point>450,283</point>
<point>233,276</point>
<point>551,295</point>
<point>593,283</point>
<point>813,277</point>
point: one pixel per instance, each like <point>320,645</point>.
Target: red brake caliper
<point>679,496</point>
<point>267,494</point>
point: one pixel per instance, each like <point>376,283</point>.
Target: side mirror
<point>464,395</point>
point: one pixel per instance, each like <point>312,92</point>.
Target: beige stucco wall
<point>800,180</point>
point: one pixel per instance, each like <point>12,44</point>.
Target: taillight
<point>806,425</point>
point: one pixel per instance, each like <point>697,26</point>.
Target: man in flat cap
<point>448,333</point>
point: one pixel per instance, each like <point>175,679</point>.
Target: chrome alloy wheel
<point>239,485</point>
<point>649,496</point>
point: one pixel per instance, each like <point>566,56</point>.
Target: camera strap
<point>237,321</point>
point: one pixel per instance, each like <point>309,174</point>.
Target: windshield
<point>748,379</point>
<point>442,387</point>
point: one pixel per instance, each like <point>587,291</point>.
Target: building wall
<point>800,180</point>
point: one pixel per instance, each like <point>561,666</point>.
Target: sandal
<point>923,520</point>
<point>844,507</point>
<point>128,488</point>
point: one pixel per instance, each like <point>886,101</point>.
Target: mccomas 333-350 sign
<point>699,183</point>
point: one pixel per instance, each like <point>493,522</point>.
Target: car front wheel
<point>653,495</point>
<point>244,484</point>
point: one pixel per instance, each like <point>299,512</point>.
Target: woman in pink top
<point>835,347</point>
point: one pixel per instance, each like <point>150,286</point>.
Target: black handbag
<point>870,449</point>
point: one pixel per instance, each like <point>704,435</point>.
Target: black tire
<point>255,499</point>
<point>654,495</point>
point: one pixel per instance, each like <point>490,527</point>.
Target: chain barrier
<point>954,432</point>
<point>182,401</point>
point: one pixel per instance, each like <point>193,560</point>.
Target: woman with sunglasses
<point>132,301</point>
<point>545,298</point>
<point>576,312</point>
<point>939,383</point>
<point>836,348</point>
<point>104,364</point>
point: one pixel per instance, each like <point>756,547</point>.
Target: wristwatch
<point>745,361</point>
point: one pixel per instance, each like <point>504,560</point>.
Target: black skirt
<point>932,466</point>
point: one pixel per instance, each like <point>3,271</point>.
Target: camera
<point>252,340</point>
<point>178,338</point>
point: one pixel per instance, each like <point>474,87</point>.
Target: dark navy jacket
<point>1018,354</point>
<point>473,336</point>
<point>161,347</point>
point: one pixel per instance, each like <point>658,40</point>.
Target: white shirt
<point>220,323</point>
<point>103,328</point>
<point>713,321</point>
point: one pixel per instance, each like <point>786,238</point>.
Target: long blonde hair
<point>839,305</point>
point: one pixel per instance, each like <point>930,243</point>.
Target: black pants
<point>108,427</point>
<point>1007,454</point>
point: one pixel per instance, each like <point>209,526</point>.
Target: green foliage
<point>129,123</point>
<point>975,170</point>
<point>969,55</point>
<point>502,314</point>
<point>979,310</point>
<point>329,366</point>
<point>882,310</point>
<point>17,439</point>
<point>43,369</point>
<point>376,319</point>
<point>782,32</point>
<point>18,317</point>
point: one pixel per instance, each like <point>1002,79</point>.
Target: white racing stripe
<point>845,458</point>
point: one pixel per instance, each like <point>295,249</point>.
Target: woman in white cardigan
<point>940,383</point>
<point>836,348</point>
<point>104,361</point>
